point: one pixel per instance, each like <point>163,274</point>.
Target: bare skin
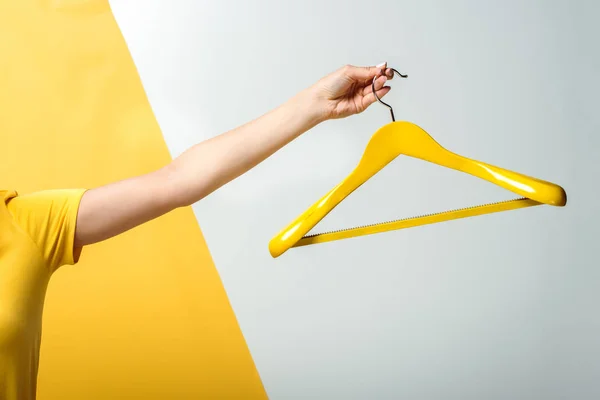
<point>112,209</point>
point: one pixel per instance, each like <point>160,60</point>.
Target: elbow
<point>169,188</point>
<point>177,188</point>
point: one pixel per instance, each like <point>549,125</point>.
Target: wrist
<point>312,106</point>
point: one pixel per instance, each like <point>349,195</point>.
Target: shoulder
<point>42,208</point>
<point>49,217</point>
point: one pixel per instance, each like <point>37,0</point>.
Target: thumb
<point>365,73</point>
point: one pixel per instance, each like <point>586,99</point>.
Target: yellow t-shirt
<point>36,237</point>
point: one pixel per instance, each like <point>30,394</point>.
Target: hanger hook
<point>381,101</point>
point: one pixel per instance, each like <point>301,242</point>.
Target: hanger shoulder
<point>292,233</point>
<point>415,142</point>
<point>377,155</point>
<point>526,186</point>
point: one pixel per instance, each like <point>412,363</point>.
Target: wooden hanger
<point>405,138</point>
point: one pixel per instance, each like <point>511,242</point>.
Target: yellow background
<point>143,315</point>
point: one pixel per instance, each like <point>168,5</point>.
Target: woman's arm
<point>109,210</point>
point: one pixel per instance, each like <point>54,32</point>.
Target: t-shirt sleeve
<point>49,217</point>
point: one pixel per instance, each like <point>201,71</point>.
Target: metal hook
<point>381,101</point>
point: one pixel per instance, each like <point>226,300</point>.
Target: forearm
<point>211,164</point>
<point>193,175</point>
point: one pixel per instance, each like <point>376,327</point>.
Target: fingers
<point>385,71</point>
<point>379,82</point>
<point>370,98</point>
<point>363,74</point>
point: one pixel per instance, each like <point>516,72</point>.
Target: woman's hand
<point>348,90</point>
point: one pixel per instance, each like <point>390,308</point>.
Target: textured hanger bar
<point>416,221</point>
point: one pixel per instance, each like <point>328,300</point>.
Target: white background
<point>502,306</point>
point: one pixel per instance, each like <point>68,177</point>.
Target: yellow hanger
<point>390,141</point>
